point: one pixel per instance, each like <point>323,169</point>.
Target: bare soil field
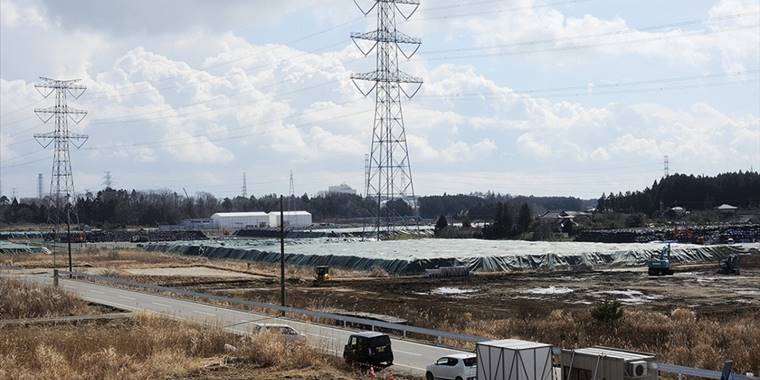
<point>695,317</point>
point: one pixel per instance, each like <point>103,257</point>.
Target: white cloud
<point>208,102</point>
<point>548,29</point>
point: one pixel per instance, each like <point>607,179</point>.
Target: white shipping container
<point>295,219</point>
<point>233,221</point>
<point>513,359</point>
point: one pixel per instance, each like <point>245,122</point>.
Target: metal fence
<point>402,330</point>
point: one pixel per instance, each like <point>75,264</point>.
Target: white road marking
<point>406,352</point>
<point>321,336</point>
<point>204,313</point>
<point>161,304</point>
<point>408,366</point>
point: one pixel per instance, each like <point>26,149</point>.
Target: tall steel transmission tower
<point>40,192</point>
<point>244,189</point>
<point>389,172</point>
<point>61,138</point>
<point>666,167</point>
<point>108,180</point>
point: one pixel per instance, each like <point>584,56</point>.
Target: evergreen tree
<point>523,219</point>
<point>440,224</point>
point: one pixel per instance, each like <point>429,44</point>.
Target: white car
<point>290,334</point>
<point>453,367</point>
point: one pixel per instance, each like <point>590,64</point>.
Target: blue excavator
<point>659,265</point>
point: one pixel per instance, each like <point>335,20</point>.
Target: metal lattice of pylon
<point>291,194</point>
<point>61,180</point>
<point>389,172</point>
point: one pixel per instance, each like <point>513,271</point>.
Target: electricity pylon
<point>108,180</point>
<point>244,189</point>
<point>666,167</point>
<point>389,172</point>
<point>292,193</point>
<point>61,179</point>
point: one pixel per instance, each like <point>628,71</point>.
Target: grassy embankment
<point>141,347</point>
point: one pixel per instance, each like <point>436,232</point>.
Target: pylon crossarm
<point>374,4</point>
<point>353,80</point>
<point>410,14</point>
<point>410,55</point>
<point>411,94</point>
<point>48,90</point>
<point>44,136</point>
<point>378,76</point>
<point>407,2</point>
<point>386,36</point>
<point>362,50</point>
<point>78,140</point>
<point>76,115</point>
<point>76,91</point>
<point>46,112</point>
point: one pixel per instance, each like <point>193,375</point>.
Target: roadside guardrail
<point>403,330</point>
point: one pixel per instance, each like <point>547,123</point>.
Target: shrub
<point>607,312</point>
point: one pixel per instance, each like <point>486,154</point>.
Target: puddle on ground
<point>552,290</point>
<point>630,296</point>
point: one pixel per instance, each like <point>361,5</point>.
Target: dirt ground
<point>416,298</point>
<point>475,304</point>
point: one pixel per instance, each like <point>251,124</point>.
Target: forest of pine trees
<point>741,189</point>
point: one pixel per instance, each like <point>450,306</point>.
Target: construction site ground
<point>416,298</point>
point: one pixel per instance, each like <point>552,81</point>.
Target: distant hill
<point>741,189</point>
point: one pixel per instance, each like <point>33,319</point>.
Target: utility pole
<point>282,253</point>
<point>389,170</point>
<point>61,179</point>
<point>68,234</point>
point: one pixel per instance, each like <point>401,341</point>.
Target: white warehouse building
<point>292,218</point>
<point>233,221</point>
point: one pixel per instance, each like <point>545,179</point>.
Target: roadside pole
<point>68,233</point>
<point>282,254</point>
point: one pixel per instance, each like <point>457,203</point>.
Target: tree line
<point>740,189</point>
<point>119,207</point>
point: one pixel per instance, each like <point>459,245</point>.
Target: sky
<point>543,97</point>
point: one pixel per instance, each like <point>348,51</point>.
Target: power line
<point>604,84</point>
<point>493,11</point>
<point>593,45</point>
<point>617,32</point>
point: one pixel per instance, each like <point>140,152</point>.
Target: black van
<point>369,349</point>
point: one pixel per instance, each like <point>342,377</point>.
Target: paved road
<point>409,356</point>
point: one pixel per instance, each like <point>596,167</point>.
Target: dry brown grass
<point>22,300</point>
<point>147,347</point>
<point>679,338</point>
